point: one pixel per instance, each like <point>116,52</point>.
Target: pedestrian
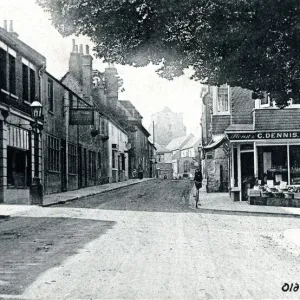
<point>198,184</point>
<point>134,173</point>
<point>140,171</point>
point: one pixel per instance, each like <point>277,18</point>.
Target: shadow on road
<point>152,196</point>
<point>30,246</point>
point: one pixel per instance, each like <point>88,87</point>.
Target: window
<point>32,85</point>
<point>53,147</point>
<point>50,95</point>
<point>72,159</point>
<point>12,74</point>
<point>222,99</point>
<point>113,159</point>
<point>92,164</point>
<point>3,74</point>
<point>186,166</point>
<point>25,78</point>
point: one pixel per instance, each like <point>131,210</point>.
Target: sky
<point>143,87</point>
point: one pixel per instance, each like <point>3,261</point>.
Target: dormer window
<point>221,100</point>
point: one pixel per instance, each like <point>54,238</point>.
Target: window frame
<point>50,95</point>
<point>216,98</point>
<point>53,154</point>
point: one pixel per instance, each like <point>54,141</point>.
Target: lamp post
<point>36,189</point>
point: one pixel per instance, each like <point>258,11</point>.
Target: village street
<point>144,242</point>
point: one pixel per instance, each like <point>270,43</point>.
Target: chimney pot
<point>87,49</point>
<point>73,45</point>
<point>81,49</point>
<point>5,25</point>
<point>11,26</point>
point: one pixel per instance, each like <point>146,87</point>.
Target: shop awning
<point>215,144</point>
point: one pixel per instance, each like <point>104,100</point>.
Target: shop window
<point>50,95</point>
<point>92,164</point>
<point>272,162</point>
<point>295,164</point>
<point>72,159</point>
<point>16,168</point>
<point>53,146</point>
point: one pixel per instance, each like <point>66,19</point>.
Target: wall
<point>213,169</point>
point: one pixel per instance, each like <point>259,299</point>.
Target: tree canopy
<point>253,44</point>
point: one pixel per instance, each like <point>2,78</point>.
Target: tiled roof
<point>240,127</point>
<point>277,119</point>
<point>191,143</point>
<point>220,123</point>
<point>176,143</point>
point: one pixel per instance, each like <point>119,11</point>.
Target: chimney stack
<point>81,49</point>
<point>11,29</point>
<point>73,46</point>
<point>87,72</point>
<point>75,67</point>
<point>112,86</point>
<point>87,49</point>
<point>5,25</point>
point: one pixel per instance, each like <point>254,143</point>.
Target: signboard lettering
<point>81,116</point>
<point>264,135</point>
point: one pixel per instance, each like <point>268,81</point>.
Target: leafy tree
<point>254,44</point>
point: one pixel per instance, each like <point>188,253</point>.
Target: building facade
<point>252,139</point>
<point>168,125</point>
<point>21,68</point>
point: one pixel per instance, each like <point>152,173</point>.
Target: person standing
<point>140,171</point>
<point>198,184</point>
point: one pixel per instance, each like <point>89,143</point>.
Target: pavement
<point>210,202</point>
<point>222,203</point>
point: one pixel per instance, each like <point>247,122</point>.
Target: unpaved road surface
<point>144,242</point>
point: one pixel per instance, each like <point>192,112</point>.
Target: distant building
<point>167,126</point>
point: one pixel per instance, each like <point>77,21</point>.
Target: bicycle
<point>198,186</point>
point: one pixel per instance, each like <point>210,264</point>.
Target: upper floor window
<point>28,80</point>
<point>221,99</point>
<point>50,95</point>
<point>7,68</point>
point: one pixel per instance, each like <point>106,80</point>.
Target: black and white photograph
<point>149,149</point>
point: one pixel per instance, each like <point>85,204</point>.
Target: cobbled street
<point>144,242</point>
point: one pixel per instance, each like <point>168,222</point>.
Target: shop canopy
<point>214,144</point>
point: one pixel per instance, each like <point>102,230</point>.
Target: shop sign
<point>81,116</point>
<point>264,135</point>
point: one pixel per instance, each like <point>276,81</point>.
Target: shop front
<point>266,159</point>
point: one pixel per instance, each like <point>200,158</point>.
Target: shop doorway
<point>247,172</point>
<point>17,168</point>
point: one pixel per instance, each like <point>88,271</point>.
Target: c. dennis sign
<point>264,135</point>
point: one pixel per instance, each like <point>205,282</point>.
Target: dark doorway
<point>247,172</point>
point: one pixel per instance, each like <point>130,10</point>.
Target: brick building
<point>168,125</point>
<point>250,138</point>
<point>21,69</point>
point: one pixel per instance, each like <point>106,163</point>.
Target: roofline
<point>67,88</point>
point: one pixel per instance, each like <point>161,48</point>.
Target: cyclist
<point>198,184</point>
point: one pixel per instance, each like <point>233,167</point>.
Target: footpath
<point>222,203</point>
